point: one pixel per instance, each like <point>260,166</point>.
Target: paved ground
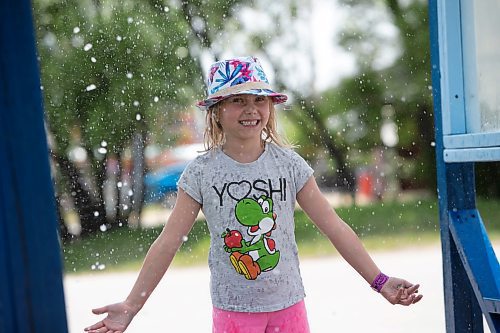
<point>338,300</point>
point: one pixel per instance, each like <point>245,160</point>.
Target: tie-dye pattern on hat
<point>235,76</point>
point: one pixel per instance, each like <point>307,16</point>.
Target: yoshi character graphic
<point>259,254</point>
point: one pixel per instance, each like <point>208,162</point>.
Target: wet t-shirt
<point>249,209</point>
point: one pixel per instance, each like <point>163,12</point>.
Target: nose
<point>250,108</point>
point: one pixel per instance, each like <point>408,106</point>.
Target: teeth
<point>249,122</point>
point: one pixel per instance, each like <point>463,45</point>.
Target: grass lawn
<point>380,226</point>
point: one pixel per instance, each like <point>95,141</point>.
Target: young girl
<point>247,184</point>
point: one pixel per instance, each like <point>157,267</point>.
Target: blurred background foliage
<point>121,75</point>
<point>380,226</point>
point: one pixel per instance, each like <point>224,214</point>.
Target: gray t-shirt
<point>249,210</point>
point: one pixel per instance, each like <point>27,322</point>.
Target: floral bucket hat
<point>242,75</point>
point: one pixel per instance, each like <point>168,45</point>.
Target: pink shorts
<point>290,320</point>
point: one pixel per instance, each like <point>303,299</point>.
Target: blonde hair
<point>214,133</point>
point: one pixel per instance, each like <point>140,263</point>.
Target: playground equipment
<point>31,289</point>
<point>465,56</point>
<point>465,68</point>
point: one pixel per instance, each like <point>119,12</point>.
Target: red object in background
<point>365,184</point>
<point>232,238</point>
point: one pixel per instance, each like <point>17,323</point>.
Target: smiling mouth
<point>249,122</point>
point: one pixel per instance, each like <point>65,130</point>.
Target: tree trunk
<point>138,172</point>
<point>91,213</point>
<point>345,179</point>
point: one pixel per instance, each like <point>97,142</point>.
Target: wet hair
<point>214,134</point>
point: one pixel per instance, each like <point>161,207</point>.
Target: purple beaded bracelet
<point>379,282</point>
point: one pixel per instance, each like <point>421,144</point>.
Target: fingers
<point>400,283</point>
<point>412,288</point>
<point>101,310</point>
<point>100,327</point>
<point>94,327</point>
<point>404,293</point>
<point>412,299</point>
<point>417,298</point>
<point>408,296</point>
<point>406,284</point>
<point>397,298</point>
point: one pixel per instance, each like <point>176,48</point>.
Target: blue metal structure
<point>31,290</point>
<point>471,271</point>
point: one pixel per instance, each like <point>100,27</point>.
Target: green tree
<point>285,42</point>
<point>110,69</point>
<point>404,84</point>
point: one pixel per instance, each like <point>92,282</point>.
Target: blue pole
<point>31,289</point>
<point>456,191</point>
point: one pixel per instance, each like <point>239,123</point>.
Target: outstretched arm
<point>156,263</point>
<point>312,201</point>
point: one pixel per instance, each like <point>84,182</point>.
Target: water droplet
<point>91,87</point>
<point>138,117</point>
<point>87,47</point>
<point>94,60</point>
<point>130,75</point>
<point>119,38</point>
<point>96,213</point>
<point>76,30</point>
<point>103,227</point>
<point>184,238</point>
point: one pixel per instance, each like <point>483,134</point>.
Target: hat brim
<point>276,97</point>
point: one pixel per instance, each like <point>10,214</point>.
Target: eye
<point>265,207</point>
<point>260,201</point>
<point>260,98</point>
<point>236,100</point>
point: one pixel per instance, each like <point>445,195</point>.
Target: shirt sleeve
<point>302,171</point>
<point>190,180</point>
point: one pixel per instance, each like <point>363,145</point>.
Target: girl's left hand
<point>402,292</point>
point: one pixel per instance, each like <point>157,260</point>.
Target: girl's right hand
<point>119,317</point>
